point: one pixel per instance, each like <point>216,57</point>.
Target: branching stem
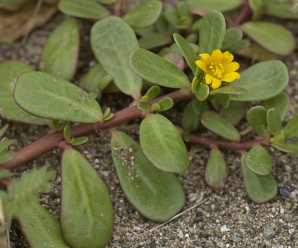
<point>52,141</point>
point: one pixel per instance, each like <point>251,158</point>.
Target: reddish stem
<point>118,7</point>
<point>53,141</point>
<point>227,145</point>
<point>244,14</point>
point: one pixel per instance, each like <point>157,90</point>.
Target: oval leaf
<point>176,59</point>
<point>90,80</point>
<point>155,194</point>
<point>256,117</point>
<point>281,102</point>
<point>215,4</point>
<point>212,32</point>
<point>157,70</point>
<point>51,97</point>
<point>40,228</point>
<point>9,72</point>
<point>144,14</point>
<point>154,40</point>
<point>60,53</point>
<point>112,39</point>
<point>229,90</point>
<point>233,113</point>
<point>274,121</point>
<point>232,36</point>
<point>281,9</point>
<point>216,170</point>
<point>273,37</point>
<point>291,129</point>
<point>262,81</point>
<point>189,54</point>
<point>258,161</point>
<point>163,145</point>
<point>220,125</point>
<point>259,188</point>
<point>190,118</point>
<point>86,209</point>
<point>202,92</point>
<point>83,9</point>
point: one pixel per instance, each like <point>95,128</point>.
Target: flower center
<point>216,70</point>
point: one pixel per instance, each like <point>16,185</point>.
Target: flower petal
<point>231,67</point>
<point>205,56</point>
<point>201,64</point>
<point>227,57</point>
<point>216,56</point>
<point>208,79</point>
<point>229,77</point>
<point>216,83</point>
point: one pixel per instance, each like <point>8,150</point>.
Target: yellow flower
<point>218,67</point>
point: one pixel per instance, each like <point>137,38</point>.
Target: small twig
<point>176,216</point>
<point>244,14</point>
<point>118,8</point>
<point>36,10</point>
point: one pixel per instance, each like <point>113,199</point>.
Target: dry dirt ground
<point>226,219</point>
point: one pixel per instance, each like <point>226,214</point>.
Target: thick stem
<point>244,14</point>
<point>227,145</point>
<point>52,141</point>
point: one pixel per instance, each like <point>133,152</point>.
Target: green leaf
<point>66,132</point>
<point>5,143</point>
<point>90,81</point>
<point>256,52</point>
<point>258,161</point>
<point>83,9</point>
<point>79,141</point>
<point>257,118</point>
<point>3,130</point>
<point>281,102</point>
<point>24,192</point>
<point>190,119</point>
<point>157,70</point>
<point>163,145</point>
<point>176,59</point>
<point>233,113</point>
<point>274,121</point>
<point>216,174</point>
<point>165,103</point>
<point>60,53</point>
<point>240,45</point>
<point>4,173</point>
<point>104,82</point>
<point>112,39</point>
<point>212,32</point>
<point>154,40</point>
<point>291,147</point>
<point>202,92</point>
<point>6,156</point>
<point>12,4</point>
<point>199,107</point>
<point>143,106</point>
<point>259,188</point>
<point>224,100</point>
<point>40,228</point>
<point>220,125</point>
<point>273,37</point>
<point>86,209</point>
<point>106,1</point>
<point>228,90</point>
<point>9,72</point>
<point>49,96</point>
<point>281,9</point>
<point>232,36</point>
<point>171,16</point>
<point>144,15</point>
<point>262,81</point>
<point>189,54</point>
<point>215,4</point>
<point>155,107</point>
<point>258,7</point>
<point>291,129</point>
<point>153,92</point>
<point>155,194</point>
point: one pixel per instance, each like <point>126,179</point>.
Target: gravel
<point>227,218</point>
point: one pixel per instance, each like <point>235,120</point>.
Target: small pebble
<point>288,206</point>
<point>269,232</point>
<point>209,244</point>
<point>284,191</point>
<point>180,235</point>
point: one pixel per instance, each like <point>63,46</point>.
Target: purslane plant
<point>208,79</point>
